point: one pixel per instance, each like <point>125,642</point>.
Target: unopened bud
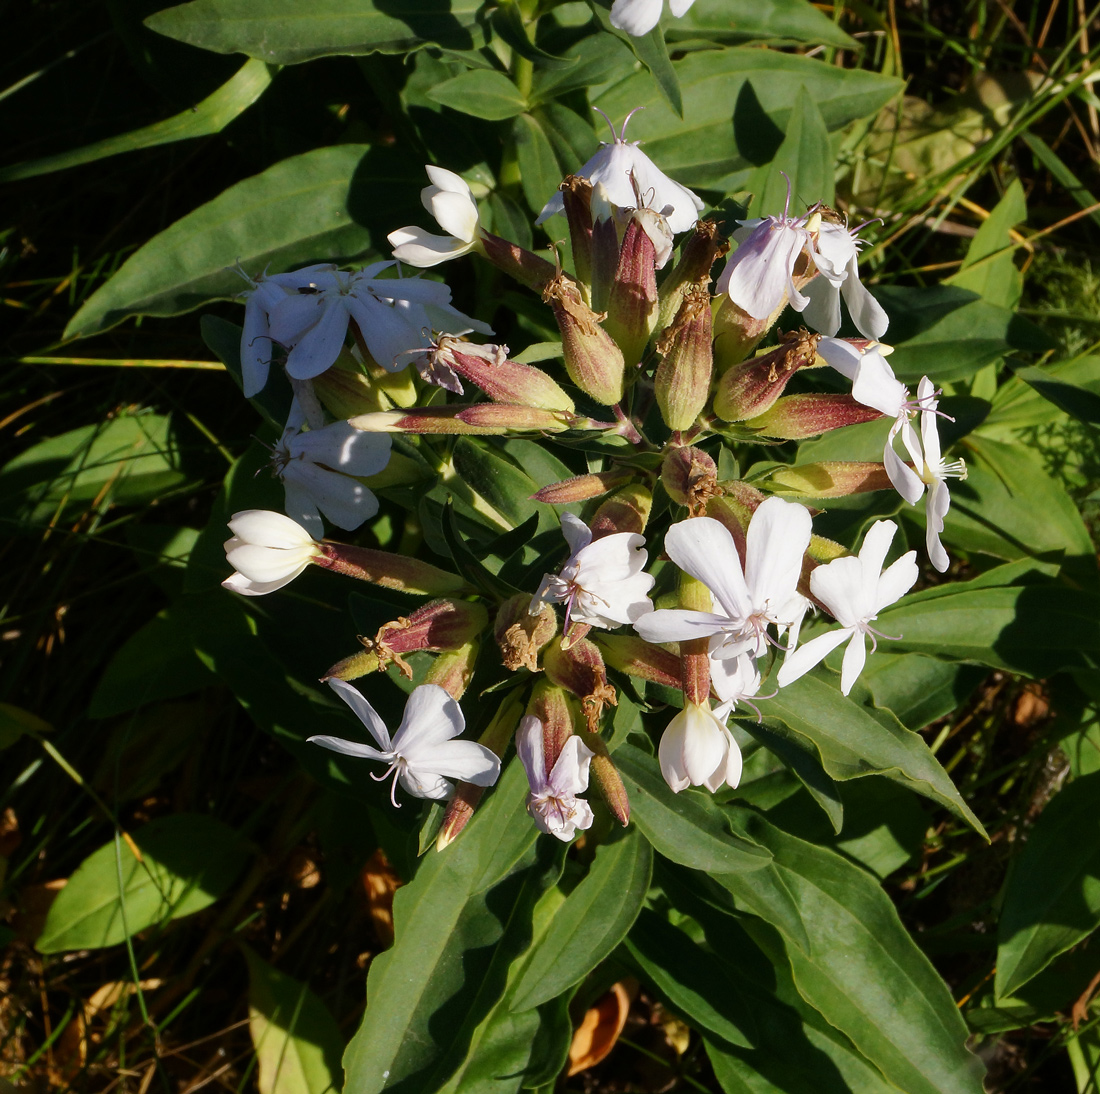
<point>501,418</point>
<point>351,668</point>
<point>749,389</point>
<point>605,251</point>
<point>581,487</point>
<point>580,669</point>
<point>346,390</point>
<point>627,510</point>
<point>467,796</point>
<point>557,712</point>
<point>502,380</point>
<point>514,260</point>
<point>640,659</point>
<point>606,777</point>
<point>737,334</point>
<point>632,302</point>
<point>453,670</point>
<point>440,625</point>
<point>521,635</point>
<point>682,383</point>
<point>389,570</point>
<point>829,479</point>
<point>796,417</point>
<point>592,358</point>
<point>576,195</point>
<point>484,419</point>
<point>690,477</point>
<point>698,254</point>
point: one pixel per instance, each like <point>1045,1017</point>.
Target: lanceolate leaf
<point>865,974</point>
<point>288,32</point>
<point>714,145</point>
<point>591,922</point>
<point>212,115</point>
<point>772,20</point>
<point>484,94</point>
<point>852,743</point>
<point>292,213</point>
<point>188,861</point>
<point>297,1041</point>
<point>1052,899</point>
<point>447,967</point>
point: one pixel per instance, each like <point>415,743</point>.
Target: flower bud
<point>556,710</point>
<point>632,302</point>
<point>467,796</point>
<point>580,669</point>
<point>351,668</point>
<point>581,487</point>
<point>501,418</point>
<point>796,417</point>
<point>483,419</point>
<point>605,252</point>
<point>627,510</point>
<point>698,254</point>
<point>737,334</point>
<point>577,199</point>
<point>502,380</point>
<point>829,479</point>
<point>527,268</point>
<point>345,390</point>
<point>521,635</point>
<point>606,777</point>
<point>749,389</point>
<point>439,625</point>
<point>592,358</point>
<point>409,575</point>
<point>690,477</point>
<point>636,657</point>
<point>682,383</point>
<point>453,670</point>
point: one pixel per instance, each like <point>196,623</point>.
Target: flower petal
<point>319,347</point>
<point>431,717</point>
<point>810,654</point>
<point>897,580</point>
<point>570,774</point>
<point>704,548</point>
<point>679,625</point>
<point>350,748</point>
<point>268,529</point>
<point>467,761</point>
<point>364,712</point>
<point>855,657</point>
<point>636,17</point>
<point>420,248</point>
<point>777,539</point>
<point>531,754</point>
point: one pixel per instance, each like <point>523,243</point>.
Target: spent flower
<point>553,802</point>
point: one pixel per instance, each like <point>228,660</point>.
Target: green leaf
<point>600,59</point>
<point>1052,897</point>
<point>1069,181</point>
<point>539,170</point>
<point>918,689</point>
<point>709,148</point>
<point>508,22</point>
<point>188,861</point>
<point>851,742</point>
<point>770,20</point>
<point>701,986</point>
<point>1077,402</point>
<point>591,923</point>
<point>802,168</point>
<point>988,268</point>
<point>289,214</point>
<point>16,723</point>
<point>687,828</point>
<point>157,662</point>
<point>458,924</point>
<point>652,51</point>
<point>500,484</point>
<point>131,459</point>
<point>865,975</point>
<point>287,32</point>
<point>297,1041</point>
<point>481,93</point>
<point>211,115</point>
<point>1034,629</point>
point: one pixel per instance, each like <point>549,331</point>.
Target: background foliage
<point>224,893</point>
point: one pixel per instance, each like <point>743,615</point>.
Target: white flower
<point>638,17</point>
<point>735,680</point>
<point>422,753</point>
<point>392,315</point>
<point>929,469</point>
<point>621,166</point>
<point>553,802</point>
<point>745,602</point>
<point>267,550</point>
<point>759,275</point>
<point>854,590</point>
<point>697,750</point>
<point>452,204</point>
<point>836,256</point>
<point>319,469</point>
<point>260,300</point>
<point>602,583</point>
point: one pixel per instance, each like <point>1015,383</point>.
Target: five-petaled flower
<point>697,750</point>
<point>267,550</point>
<point>452,204</point>
<point>553,802</point>
<point>422,754</point>
<point>603,582</point>
<point>854,590</point>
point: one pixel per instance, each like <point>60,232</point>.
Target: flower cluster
<point>676,364</point>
